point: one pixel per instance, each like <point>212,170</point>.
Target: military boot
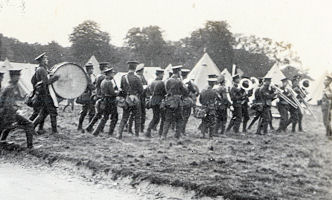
<point>54,124</point>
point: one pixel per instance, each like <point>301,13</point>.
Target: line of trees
<point>250,53</point>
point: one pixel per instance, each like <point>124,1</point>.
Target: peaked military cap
<point>13,72</point>
<point>212,80</point>
<point>40,57</point>
<point>284,79</point>
<point>177,67</point>
<point>267,79</point>
<point>139,67</point>
<point>109,70</point>
<point>159,71</point>
<point>236,76</point>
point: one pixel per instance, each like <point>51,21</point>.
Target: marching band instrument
<point>247,87</point>
<point>280,93</point>
<point>72,82</point>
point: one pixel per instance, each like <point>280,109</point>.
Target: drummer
<point>41,76</point>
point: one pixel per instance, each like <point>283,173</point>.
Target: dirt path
<point>275,166</point>
<point>21,183</point>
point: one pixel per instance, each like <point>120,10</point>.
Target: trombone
<point>280,93</point>
<point>306,106</point>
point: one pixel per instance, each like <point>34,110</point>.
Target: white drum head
<point>72,82</point>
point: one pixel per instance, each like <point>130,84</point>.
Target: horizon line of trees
<point>253,55</point>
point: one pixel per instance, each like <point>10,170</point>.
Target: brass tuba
<point>245,86</point>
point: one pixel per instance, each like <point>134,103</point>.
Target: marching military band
<point>172,102</point>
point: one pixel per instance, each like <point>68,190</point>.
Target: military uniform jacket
<point>107,89</point>
<point>41,75</point>
<point>266,95</point>
<point>99,79</point>
<point>131,84</point>
<point>236,95</point>
<point>208,97</point>
<point>8,105</point>
<point>222,100</point>
<point>158,91</point>
<point>285,92</point>
<point>174,86</point>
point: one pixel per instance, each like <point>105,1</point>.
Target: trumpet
<point>280,93</point>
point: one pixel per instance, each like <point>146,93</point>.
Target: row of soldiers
<point>171,101</point>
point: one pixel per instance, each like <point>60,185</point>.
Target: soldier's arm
<point>139,85</point>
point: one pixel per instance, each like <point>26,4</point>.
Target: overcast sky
<point>306,24</point>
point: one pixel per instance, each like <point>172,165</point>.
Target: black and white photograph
<point>165,100</point>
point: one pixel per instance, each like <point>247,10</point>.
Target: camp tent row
<point>25,86</point>
<point>199,74</point>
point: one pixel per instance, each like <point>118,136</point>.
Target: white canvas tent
<point>168,69</point>
<point>276,74</point>
<point>27,72</point>
<point>228,78</point>
<point>316,89</point>
<point>96,68</point>
<point>150,73</point>
<point>204,67</point>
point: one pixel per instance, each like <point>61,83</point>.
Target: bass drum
<point>72,82</point>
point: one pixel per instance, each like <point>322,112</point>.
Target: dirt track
<point>275,166</point>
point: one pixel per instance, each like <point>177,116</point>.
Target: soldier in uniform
<point>208,98</point>
<point>158,92</point>
<point>222,105</point>
<point>266,95</point>
<point>132,90</point>
<point>99,79</point>
<point>283,106</point>
<point>109,95</point>
<point>257,104</point>
<point>140,74</point>
<point>8,110</point>
<point>47,106</point>
<point>237,98</point>
<point>245,105</point>
<point>327,104</point>
<point>1,78</point>
<point>190,99</point>
<point>297,89</point>
<point>88,106</point>
<point>175,90</point>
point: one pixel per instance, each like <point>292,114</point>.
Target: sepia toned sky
<point>304,23</point>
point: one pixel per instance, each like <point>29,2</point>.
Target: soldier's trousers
<point>24,124</point>
<point>221,120</point>
<point>186,115</point>
<point>142,116</point>
<point>293,119</point>
<point>110,110</point>
<point>87,109</point>
<point>266,118</point>
<point>135,111</point>
<point>36,111</point>
<point>208,125</point>
<point>300,117</point>
<point>246,117</point>
<point>236,120</point>
<point>173,114</point>
<point>283,111</point>
<point>158,115</point>
<point>48,108</point>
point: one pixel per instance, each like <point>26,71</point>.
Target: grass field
<point>232,166</point>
